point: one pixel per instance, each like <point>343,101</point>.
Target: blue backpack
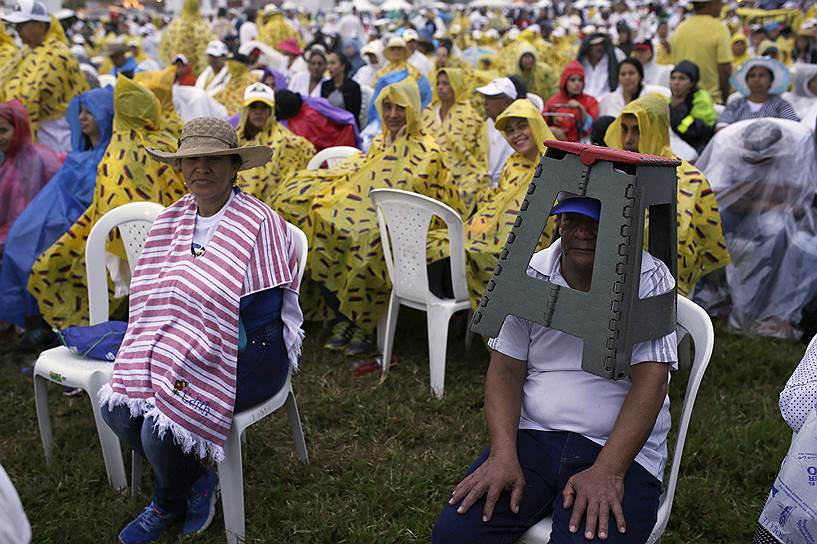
<point>99,342</point>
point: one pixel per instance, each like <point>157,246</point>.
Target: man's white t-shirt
<point>558,395</point>
<point>498,152</point>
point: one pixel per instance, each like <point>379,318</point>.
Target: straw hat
<point>212,137</point>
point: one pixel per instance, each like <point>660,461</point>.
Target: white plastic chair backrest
<point>134,221</point>
<point>301,249</point>
<point>332,156</point>
<point>366,94</point>
<point>404,218</point>
<point>699,326</point>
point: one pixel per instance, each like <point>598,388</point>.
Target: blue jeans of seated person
<point>548,460</point>
<point>261,372</point>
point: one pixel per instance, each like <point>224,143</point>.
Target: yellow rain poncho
<point>274,29</point>
<point>541,79</point>
<point>125,174</point>
<point>462,136</point>
<point>737,61</point>
<point>8,50</point>
<point>44,79</point>
<point>333,207</point>
<point>290,153</point>
<point>160,83</point>
<point>701,245</point>
<point>232,95</point>
<point>189,35</point>
<point>487,230</point>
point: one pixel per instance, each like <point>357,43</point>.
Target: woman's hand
<point>495,475</point>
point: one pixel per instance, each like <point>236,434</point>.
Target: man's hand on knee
<point>495,475</point>
<point>594,492</point>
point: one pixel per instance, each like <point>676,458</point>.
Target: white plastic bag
<point>790,513</point>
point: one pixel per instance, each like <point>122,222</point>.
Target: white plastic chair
<point>230,471</point>
<point>697,323</point>
<point>404,218</point>
<point>61,366</point>
<point>332,155</point>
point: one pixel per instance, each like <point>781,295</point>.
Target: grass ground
<point>384,457</point>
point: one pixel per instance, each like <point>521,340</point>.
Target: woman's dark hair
<point>344,60</point>
<point>599,129</point>
<point>447,44</point>
<point>771,72</point>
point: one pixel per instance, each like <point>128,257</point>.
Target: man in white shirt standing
<point>423,64</point>
<point>215,76</point>
<point>600,60</point>
<point>563,442</point>
<point>498,95</point>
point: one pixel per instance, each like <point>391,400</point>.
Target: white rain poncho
<point>763,173</point>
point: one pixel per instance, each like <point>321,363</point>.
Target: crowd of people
<point>455,104</point>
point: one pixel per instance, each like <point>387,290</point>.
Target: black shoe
<point>361,344</point>
<point>341,334</point>
<point>38,340</point>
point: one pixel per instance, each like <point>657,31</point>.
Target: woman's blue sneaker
<point>148,526</point>
<point>201,504</point>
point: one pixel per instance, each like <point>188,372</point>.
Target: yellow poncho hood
<point>404,93</point>
<point>525,109</point>
<point>525,48</point>
<point>160,82</point>
<point>5,39</point>
<point>135,107</point>
<point>191,8</point>
<point>652,112</point>
<point>456,77</point>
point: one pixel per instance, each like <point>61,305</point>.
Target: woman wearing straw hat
<point>214,326</point>
<point>761,81</point>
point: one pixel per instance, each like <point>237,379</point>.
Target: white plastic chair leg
<point>136,474</point>
<point>43,419</point>
<point>438,318</point>
<point>231,479</point>
<point>297,430</point>
<point>469,336</point>
<point>111,447</point>
<point>390,326</point>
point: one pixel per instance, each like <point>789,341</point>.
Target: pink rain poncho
<point>24,170</point>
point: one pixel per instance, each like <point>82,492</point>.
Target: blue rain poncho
<point>56,207</point>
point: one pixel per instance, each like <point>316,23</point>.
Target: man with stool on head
<point>564,442</point>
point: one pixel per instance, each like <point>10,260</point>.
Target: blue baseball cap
<point>570,203</point>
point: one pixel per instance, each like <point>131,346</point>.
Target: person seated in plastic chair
<point>214,326</point>
<point>566,443</point>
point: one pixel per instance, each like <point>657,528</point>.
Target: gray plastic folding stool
<point>610,318</point>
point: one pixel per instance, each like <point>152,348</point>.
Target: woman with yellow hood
<point>459,130</point>
<point>740,50</point>
<point>643,127</point>
<point>487,230</point>
<point>232,95</point>
<point>539,78</point>
<point>125,174</point>
<point>346,259</point>
<point>258,126</point>
<point>187,35</point>
<point>160,83</point>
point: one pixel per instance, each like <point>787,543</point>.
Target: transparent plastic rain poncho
<point>764,174</point>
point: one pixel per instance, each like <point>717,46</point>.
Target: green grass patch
<point>383,458</point>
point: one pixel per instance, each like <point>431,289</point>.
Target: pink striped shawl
<point>177,362</point>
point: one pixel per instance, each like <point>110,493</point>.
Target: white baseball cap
<point>258,92</point>
<point>181,58</point>
<point>216,48</point>
<point>28,10</point>
<point>410,35</point>
<point>501,85</point>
